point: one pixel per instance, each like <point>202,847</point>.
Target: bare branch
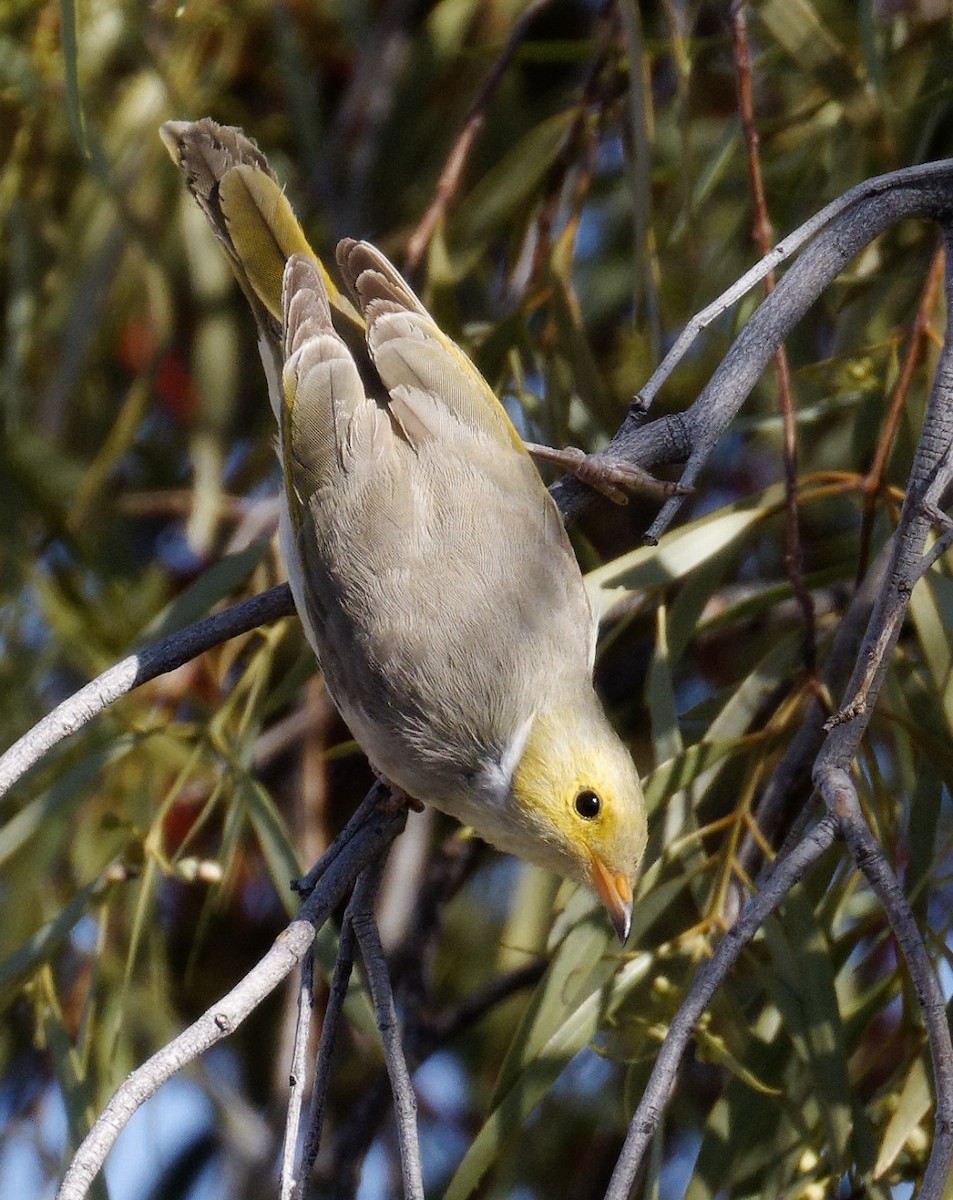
<point>166,655</point>
<point>377,830</point>
<point>841,799</point>
<point>299,1058</point>
<point>840,231</point>
<point>378,981</point>
<point>930,476</point>
<point>322,1071</point>
<point>915,348</point>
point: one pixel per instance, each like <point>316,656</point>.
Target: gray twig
<point>385,1012</point>
<point>298,1079</point>
<point>377,831</point>
<point>840,796</point>
<point>930,476</point>
<point>840,231</point>
<point>322,1071</point>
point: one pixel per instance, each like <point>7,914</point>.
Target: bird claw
<point>613,477</point>
<point>394,797</point>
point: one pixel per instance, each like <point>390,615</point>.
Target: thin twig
<point>878,468</point>
<point>385,1012</point>
<point>784,875</point>
<point>410,965</point>
<point>924,174</point>
<point>449,179</point>
<point>377,831</point>
<point>840,796</point>
<point>937,550</point>
<point>638,169</point>
<point>763,234</point>
<point>366,1115</point>
<point>166,655</point>
<point>299,1059</point>
<point>307,883</point>
<point>322,1071</point>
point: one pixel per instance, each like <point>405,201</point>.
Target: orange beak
<point>614,889</point>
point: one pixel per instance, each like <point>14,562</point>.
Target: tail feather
<point>249,213</point>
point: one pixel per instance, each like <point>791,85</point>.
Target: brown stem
<point>450,176</point>
<point>763,234</point>
<point>878,468</point>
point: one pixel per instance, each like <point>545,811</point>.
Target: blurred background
<point>144,865</point>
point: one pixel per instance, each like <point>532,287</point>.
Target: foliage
<point>145,863</point>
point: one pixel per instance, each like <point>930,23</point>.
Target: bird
<point>428,562</point>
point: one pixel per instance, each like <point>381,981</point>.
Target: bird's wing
<point>445,409</point>
<point>328,425</point>
<point>433,386</point>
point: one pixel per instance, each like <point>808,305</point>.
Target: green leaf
<point>916,1100</point>
<point>272,833</point>
<point>660,694</point>
<point>679,553</point>
<point>685,769</point>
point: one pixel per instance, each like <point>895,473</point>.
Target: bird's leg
<point>608,474</point>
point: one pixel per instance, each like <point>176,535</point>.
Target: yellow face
<point>577,788</point>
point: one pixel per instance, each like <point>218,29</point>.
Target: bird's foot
<point>394,797</point>
<point>606,472</point>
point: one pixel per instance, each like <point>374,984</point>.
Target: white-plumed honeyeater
<point>427,560</point>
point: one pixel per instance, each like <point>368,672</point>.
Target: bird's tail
<point>231,181</point>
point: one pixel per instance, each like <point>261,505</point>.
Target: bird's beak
<point>614,889</point>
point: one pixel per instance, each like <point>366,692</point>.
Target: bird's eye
<point>587,804</point>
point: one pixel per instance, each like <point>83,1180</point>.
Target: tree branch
<point>365,843</point>
<point>166,655</point>
<point>784,875</point>
<point>840,796</point>
<point>385,1012</point>
<point>298,1077</point>
<point>840,231</point>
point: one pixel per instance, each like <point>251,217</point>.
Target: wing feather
<point>433,385</point>
<point>328,424</point>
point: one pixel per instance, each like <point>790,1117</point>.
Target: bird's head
<point>576,787</point>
